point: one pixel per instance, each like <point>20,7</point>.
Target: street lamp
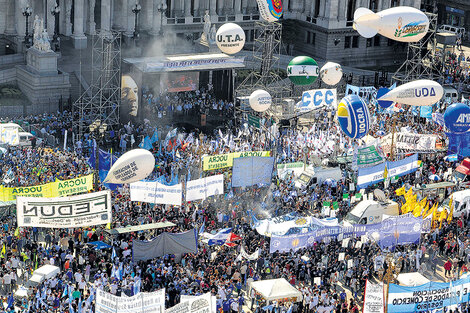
<point>27,13</point>
<point>97,131</point>
<point>393,270</point>
<point>56,11</point>
<point>161,8</point>
<point>136,10</point>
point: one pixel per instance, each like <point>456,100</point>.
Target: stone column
<point>68,16</point>
<point>147,16</point>
<point>322,8</point>
<point>106,15</point>
<point>342,9</point>
<point>238,5</point>
<point>79,38</point>
<point>128,17</point>
<point>221,7</point>
<point>187,8</point>
<point>213,7</point>
<point>156,18</point>
<point>10,27</point>
<point>91,17</point>
<point>20,19</point>
<point>196,8</point>
<point>50,18</point>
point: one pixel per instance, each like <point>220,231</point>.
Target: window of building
<point>389,42</point>
<point>377,41</point>
<point>310,38</point>
<point>355,42</point>
<point>394,3</point>
<point>347,42</point>
<point>373,5</point>
<point>317,8</point>
<point>369,42</point>
<point>350,12</point>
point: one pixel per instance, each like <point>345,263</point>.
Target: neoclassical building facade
<point>320,28</point>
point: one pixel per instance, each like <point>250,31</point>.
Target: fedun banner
<point>67,212</point>
<point>214,162</point>
<point>58,188</point>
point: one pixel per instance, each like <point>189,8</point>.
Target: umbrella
<point>434,177</point>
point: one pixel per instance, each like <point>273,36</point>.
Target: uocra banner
<point>204,187</point>
<point>213,162</point>
<point>67,212</point>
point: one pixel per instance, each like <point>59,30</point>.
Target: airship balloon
<point>418,93</point>
<point>132,166</point>
<point>405,24</point>
<point>331,73</point>
<point>353,116</point>
<point>457,118</point>
<point>230,38</point>
<point>260,100</point>
<point>302,70</point>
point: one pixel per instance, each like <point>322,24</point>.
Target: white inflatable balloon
<point>260,100</point>
<point>132,166</point>
<point>230,38</point>
<point>331,73</point>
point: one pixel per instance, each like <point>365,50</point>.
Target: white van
<point>371,211</point>
<point>25,139</point>
<point>41,274</point>
<point>459,31</point>
<point>451,93</point>
<point>461,202</point>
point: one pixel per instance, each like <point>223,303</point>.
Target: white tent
<point>412,279</point>
<point>276,289</point>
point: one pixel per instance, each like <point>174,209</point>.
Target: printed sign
<point>200,304</point>
<point>316,99</point>
<point>155,192</point>
<point>284,169</point>
<point>67,212</point>
<point>148,302</point>
<point>374,298</point>
<point>214,162</point>
<point>204,187</point>
<point>368,156</point>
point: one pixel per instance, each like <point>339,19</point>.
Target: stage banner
<point>430,297</point>
<point>204,187</point>
<point>374,298</point>
<point>155,192</point>
<point>252,171</point>
<point>368,156</point>
<point>213,162</point>
<point>66,212</point>
<point>148,302</point>
<point>393,231</point>
<point>370,175</point>
<point>50,190</point>
<point>163,244</point>
<point>287,168</point>
<point>403,167</point>
<point>193,304</point>
<point>459,144</point>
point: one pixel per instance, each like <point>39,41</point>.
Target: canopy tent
<point>412,279</point>
<point>276,289</point>
<point>130,229</point>
<point>99,245</point>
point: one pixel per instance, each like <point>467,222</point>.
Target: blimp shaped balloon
<point>132,166</point>
<point>331,73</point>
<point>417,93</point>
<point>230,38</point>
<point>353,116</point>
<point>457,118</point>
<point>260,100</point>
<point>405,24</point>
<point>270,10</point>
<point>302,70</point>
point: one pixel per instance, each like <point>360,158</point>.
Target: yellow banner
<point>214,162</point>
<point>58,188</point>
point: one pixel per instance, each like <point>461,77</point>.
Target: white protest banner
<point>65,212</point>
<point>192,304</point>
<point>286,168</point>
<point>374,298</point>
<point>204,187</point>
<point>155,192</point>
<point>409,143</point>
<point>152,302</point>
<point>252,257</point>
<point>316,99</point>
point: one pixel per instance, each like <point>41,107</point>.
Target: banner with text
<point>50,190</point>
<point>213,162</point>
<point>155,192</point>
<point>410,143</point>
<point>198,304</point>
<point>67,212</point>
<point>368,156</point>
<point>204,187</point>
<point>252,171</point>
<point>287,168</point>
<point>373,298</point>
<point>148,302</point>
<point>430,297</point>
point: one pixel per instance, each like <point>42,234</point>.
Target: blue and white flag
<point>113,255</point>
<point>154,136</point>
<point>220,237</point>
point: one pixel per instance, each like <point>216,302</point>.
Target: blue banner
<point>430,297</point>
<point>370,175</point>
<point>393,231</point>
<point>459,144</point>
<point>250,171</point>
<point>425,111</point>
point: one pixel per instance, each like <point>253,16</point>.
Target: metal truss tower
<point>419,62</point>
<point>102,99</point>
<point>266,52</point>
